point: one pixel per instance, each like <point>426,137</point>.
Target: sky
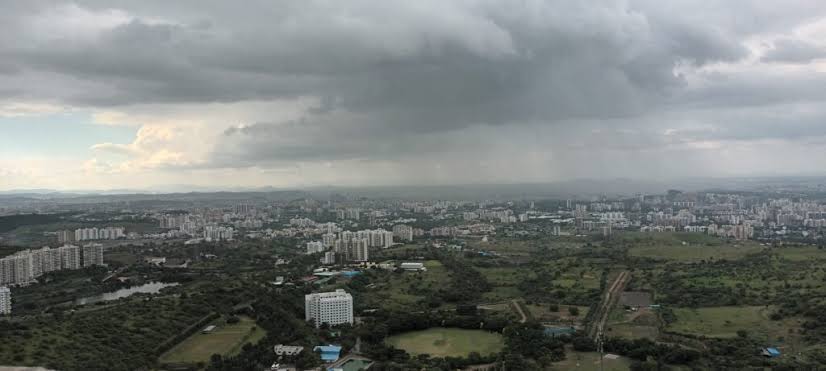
<point>143,94</point>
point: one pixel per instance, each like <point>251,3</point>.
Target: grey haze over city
<point>139,95</point>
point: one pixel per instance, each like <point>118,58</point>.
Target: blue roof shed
<point>771,352</point>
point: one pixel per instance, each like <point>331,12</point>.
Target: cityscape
<point>476,185</point>
<point>380,278</point>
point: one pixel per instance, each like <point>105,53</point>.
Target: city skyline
<point>142,95</point>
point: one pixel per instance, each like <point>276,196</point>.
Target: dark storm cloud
<point>436,64</point>
<point>396,79</point>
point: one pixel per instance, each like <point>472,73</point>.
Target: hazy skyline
<point>111,94</point>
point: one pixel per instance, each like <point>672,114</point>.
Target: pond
<point>147,288</point>
<point>447,342</point>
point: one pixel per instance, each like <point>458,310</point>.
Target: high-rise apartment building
<point>333,308</point>
<point>361,250</point>
<point>69,257</point>
<point>92,254</point>
<point>403,232</point>
<point>5,300</point>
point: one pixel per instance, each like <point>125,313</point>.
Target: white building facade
<point>333,308</point>
<point>5,300</point>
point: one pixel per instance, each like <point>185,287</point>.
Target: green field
<point>396,291</point>
<point>724,322</point>
<point>447,342</point>
<point>799,254</point>
<point>691,253</point>
<point>226,339</point>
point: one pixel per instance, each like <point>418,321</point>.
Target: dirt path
<point>519,309</point>
<point>609,298</point>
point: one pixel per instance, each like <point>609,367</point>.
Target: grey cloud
<point>455,64</point>
<point>443,81</point>
<point>794,51</point>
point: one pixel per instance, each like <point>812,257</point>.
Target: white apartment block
<point>94,233</point>
<point>69,257</point>
<point>333,308</point>
<point>5,300</point>
<point>215,233</point>
<point>92,254</point>
<point>314,247</point>
<point>403,232</point>
<point>329,258</point>
<point>361,251</point>
<point>24,266</point>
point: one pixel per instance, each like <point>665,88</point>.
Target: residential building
<point>216,233</point>
<point>403,232</point>
<point>333,308</point>
<point>69,257</point>
<point>314,247</point>
<point>361,250</point>
<point>65,236</point>
<point>329,258</point>
<point>92,254</point>
<point>5,300</point>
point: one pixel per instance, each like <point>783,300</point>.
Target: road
<point>609,298</point>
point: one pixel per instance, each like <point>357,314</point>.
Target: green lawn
<point>444,342</point>
<point>226,339</point>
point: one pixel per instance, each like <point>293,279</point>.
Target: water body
<point>147,288</point>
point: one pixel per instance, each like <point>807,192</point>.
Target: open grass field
<point>726,321</point>
<point>444,342</point>
<point>798,254</point>
<point>694,253</point>
<point>401,291</point>
<point>227,339</point>
<point>504,246</point>
<point>589,361</point>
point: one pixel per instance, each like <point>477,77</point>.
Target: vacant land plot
<point>506,276</point>
<point>589,361</point>
<point>635,298</point>
<point>226,339</point>
<point>727,321</point>
<point>402,291</point>
<point>695,253</point>
<point>543,313</point>
<point>447,342</point>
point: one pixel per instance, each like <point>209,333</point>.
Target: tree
<point>574,311</point>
